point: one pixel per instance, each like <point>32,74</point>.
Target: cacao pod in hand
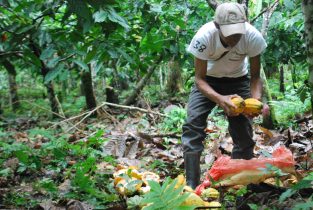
<point>239,103</point>
<point>253,106</point>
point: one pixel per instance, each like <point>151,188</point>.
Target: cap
<point>231,18</point>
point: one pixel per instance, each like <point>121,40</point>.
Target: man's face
<point>231,40</point>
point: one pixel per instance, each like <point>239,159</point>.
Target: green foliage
<point>164,197</point>
<point>294,102</point>
<point>232,194</point>
<point>86,183</point>
<point>218,119</point>
<point>305,205</point>
<point>48,186</point>
<point>174,120</point>
<point>20,199</point>
<point>134,202</point>
<point>304,183</point>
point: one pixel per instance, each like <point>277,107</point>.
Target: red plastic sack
<point>239,171</point>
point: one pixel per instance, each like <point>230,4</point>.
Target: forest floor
<point>69,164</point>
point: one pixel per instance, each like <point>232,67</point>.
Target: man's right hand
<point>227,105</point>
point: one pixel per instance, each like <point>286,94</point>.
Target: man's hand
<point>227,105</point>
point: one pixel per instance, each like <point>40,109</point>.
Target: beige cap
<point>231,18</point>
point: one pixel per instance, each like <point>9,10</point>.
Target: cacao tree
<point>307,7</point>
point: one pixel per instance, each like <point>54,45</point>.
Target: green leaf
<point>258,7</point>
<point>286,195</point>
<point>289,4</point>
<point>100,16</point>
<point>82,64</point>
<point>90,55</point>
<point>32,58</point>
<point>53,62</point>
<point>157,8</point>
<point>125,55</point>
<point>134,202</point>
<point>24,29</point>
<point>152,42</point>
<point>5,172</point>
<point>253,206</point>
<point>22,156</point>
<point>303,206</point>
<point>165,197</point>
<point>114,17</point>
<point>53,73</point>
<point>47,53</point>
<point>303,92</point>
<point>80,8</point>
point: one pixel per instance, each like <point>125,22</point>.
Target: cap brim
<point>237,28</point>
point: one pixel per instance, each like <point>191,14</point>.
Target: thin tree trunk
<point>174,82</point>
<point>118,82</point>
<point>87,87</point>
<point>1,100</point>
<point>111,95</point>
<point>141,84</point>
<point>293,75</point>
<point>12,84</point>
<point>281,79</point>
<point>307,7</point>
<point>268,120</point>
<point>50,89</point>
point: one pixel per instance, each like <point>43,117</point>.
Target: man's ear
<point>217,25</point>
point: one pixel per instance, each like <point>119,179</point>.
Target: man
<point>221,49</point>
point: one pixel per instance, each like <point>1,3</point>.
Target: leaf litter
<point>136,141</point>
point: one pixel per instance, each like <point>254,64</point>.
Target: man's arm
<point>223,101</point>
<point>256,81</point>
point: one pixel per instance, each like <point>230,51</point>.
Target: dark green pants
<point>199,107</point>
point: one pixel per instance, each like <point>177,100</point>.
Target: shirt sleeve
<point>199,47</point>
<point>256,44</point>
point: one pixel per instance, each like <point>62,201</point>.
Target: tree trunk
<point>51,96</point>
<point>12,84</point>
<point>292,68</point>
<point>141,84</point>
<point>1,111</point>
<point>111,95</point>
<point>118,82</point>
<point>174,82</point>
<point>281,79</point>
<point>50,89</point>
<point>307,7</point>
<point>268,120</point>
<point>87,87</point>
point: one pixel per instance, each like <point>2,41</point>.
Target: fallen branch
<point>158,135</point>
<point>134,108</point>
<point>87,115</point>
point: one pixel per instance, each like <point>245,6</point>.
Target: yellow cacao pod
<point>210,193</point>
<point>253,106</point>
<point>239,103</point>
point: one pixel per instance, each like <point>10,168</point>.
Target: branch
<point>87,114</point>
<point>133,108</point>
<point>265,10</point>
<point>159,135</point>
<point>10,52</point>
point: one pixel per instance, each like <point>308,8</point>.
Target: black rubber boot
<point>192,168</point>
